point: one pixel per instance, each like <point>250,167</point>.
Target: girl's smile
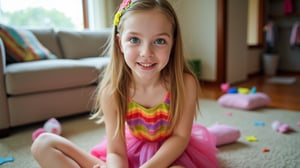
<point>146,66</point>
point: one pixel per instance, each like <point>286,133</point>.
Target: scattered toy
<point>298,123</point>
<point>225,87</point>
<point>251,138</point>
<point>232,90</point>
<point>228,113</point>
<point>52,126</point>
<point>259,123</point>
<point>265,150</point>
<point>6,159</point>
<point>242,90</point>
<point>253,90</point>
<point>281,127</point>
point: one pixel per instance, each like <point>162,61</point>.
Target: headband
<point>125,5</point>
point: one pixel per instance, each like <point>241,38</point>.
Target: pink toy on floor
<point>281,127</point>
<point>225,87</point>
<point>224,134</point>
<point>52,125</point>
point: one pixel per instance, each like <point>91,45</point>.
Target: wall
<point>254,61</point>
<point>253,19</point>
<point>254,54</point>
<point>198,24</point>
<point>237,51</point>
<point>199,27</point>
<point>101,13</point>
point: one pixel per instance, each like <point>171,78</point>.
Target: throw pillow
<point>21,45</point>
<point>244,101</point>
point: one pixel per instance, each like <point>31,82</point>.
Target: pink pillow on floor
<point>224,134</point>
<point>244,101</point>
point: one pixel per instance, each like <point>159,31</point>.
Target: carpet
<point>282,80</point>
<point>284,151</point>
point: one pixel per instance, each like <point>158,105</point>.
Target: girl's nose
<point>147,50</point>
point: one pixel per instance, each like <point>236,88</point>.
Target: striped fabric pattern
<point>149,124</point>
<point>22,45</point>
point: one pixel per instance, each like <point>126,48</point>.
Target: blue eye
<point>134,40</point>
<point>160,41</point>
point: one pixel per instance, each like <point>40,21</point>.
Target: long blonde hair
<point>118,76</point>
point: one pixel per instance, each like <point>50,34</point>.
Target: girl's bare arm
<point>116,145</point>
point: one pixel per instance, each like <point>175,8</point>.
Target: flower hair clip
<point>125,5</point>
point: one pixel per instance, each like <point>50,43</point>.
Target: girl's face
<point>146,41</point>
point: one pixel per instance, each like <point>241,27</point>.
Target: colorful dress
<point>147,129</point>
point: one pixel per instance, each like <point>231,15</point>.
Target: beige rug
<point>284,148</point>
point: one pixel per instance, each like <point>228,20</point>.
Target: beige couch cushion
<point>48,75</point>
<point>82,43</point>
<point>48,38</point>
<point>98,62</point>
<point>30,108</point>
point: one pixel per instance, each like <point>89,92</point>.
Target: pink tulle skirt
<point>200,152</point>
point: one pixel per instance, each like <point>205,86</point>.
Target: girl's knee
<point>42,143</point>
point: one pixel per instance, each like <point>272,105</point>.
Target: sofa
<point>34,91</point>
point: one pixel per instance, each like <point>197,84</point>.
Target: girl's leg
<point>51,150</point>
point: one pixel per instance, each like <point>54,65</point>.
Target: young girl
<point>148,99</point>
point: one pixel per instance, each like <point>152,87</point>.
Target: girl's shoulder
<point>106,97</point>
<point>106,92</point>
<point>189,80</point>
<point>191,85</point>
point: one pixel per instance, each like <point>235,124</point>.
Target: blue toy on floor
<point>6,159</point>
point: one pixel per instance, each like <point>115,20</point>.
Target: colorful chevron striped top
<point>150,124</point>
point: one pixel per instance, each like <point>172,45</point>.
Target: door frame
<point>221,40</point>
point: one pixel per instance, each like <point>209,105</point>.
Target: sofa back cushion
<point>47,36</point>
<point>81,44</point>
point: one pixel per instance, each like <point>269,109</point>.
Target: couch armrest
<point>4,114</point>
<point>3,56</point>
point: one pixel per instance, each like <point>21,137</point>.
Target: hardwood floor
<point>285,96</point>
